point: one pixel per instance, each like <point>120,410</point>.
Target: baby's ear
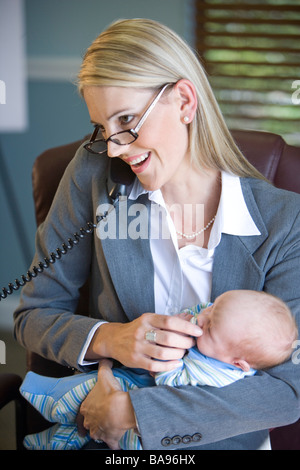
<point>242,364</point>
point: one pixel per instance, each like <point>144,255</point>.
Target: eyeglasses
<point>99,146</point>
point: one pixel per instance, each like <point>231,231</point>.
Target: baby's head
<point>247,329</point>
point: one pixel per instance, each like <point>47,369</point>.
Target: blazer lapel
<point>234,265</point>
<point>128,257</point>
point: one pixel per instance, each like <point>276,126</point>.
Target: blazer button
<point>176,440</point>
<point>186,439</point>
<point>197,437</point>
<point>166,441</point>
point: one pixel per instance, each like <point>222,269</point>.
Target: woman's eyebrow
<point>121,111</point>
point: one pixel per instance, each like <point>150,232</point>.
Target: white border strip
<point>57,69</point>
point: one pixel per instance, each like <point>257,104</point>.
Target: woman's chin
<point>149,185</point>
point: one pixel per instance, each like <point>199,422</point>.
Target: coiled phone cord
<point>116,188</point>
<point>51,259</point>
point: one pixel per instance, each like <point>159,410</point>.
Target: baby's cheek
<point>200,343</point>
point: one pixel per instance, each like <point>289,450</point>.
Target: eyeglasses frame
<point>133,132</point>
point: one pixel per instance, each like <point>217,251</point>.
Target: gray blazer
<point>234,417</point>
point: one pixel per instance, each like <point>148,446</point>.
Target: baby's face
<point>212,342</point>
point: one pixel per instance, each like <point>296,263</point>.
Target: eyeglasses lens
<point>98,146</point>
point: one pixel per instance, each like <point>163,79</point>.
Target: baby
<point>243,331</point>
<point>246,329</point>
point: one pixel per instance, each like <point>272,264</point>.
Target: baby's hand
<point>185,316</point>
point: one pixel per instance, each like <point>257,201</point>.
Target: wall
<point>57,34</point>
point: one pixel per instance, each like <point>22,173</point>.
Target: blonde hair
<point>270,329</point>
<point>144,53</point>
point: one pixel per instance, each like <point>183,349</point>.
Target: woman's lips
<point>137,159</point>
<point>139,163</point>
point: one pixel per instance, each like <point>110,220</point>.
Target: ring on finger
<point>151,336</point>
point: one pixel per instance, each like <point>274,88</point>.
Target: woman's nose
<point>114,150</point>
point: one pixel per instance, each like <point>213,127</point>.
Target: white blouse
<point>183,277</point>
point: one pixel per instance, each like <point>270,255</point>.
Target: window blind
<point>251,52</point>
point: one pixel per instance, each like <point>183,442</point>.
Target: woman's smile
<point>139,163</point>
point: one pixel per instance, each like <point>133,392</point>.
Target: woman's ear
<point>188,100</point>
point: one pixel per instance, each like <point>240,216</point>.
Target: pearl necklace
<point>194,234</point>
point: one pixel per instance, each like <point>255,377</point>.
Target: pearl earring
<point>186,119</point>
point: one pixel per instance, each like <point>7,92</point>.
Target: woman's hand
<point>107,411</point>
<point>126,342</point>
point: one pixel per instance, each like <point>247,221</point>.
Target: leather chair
<point>268,152</point>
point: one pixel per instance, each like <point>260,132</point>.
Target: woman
<point>214,225</point>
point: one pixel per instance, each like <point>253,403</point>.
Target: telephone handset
<point>119,176</point>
